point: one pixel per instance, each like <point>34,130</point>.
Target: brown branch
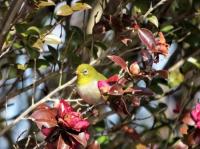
<point>17,92</point>
<point>8,20</point>
<point>27,111</point>
<point>153,8</point>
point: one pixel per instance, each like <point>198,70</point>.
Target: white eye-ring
<point>85,71</point>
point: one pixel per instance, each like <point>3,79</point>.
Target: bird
<point>87,87</point>
<point>87,84</point>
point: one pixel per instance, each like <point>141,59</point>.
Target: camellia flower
<point>62,126</point>
<point>196,115</point>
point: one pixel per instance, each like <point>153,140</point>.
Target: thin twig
<point>17,92</point>
<point>8,19</point>
<point>153,8</point>
<point>34,80</point>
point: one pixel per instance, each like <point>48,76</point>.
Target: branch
<point>8,19</point>
<point>153,8</point>
<point>17,92</point>
<point>27,111</point>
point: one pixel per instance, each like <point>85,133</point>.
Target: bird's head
<point>85,71</point>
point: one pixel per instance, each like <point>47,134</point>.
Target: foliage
<point>43,41</point>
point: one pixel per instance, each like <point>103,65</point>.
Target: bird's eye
<point>85,71</point>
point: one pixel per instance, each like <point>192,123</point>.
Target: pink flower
<point>103,86</point>
<point>69,118</point>
<point>62,126</point>
<point>196,115</point>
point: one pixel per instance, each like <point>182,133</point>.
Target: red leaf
<point>44,117</point>
<point>147,38</point>
<point>161,45</point>
<point>162,73</point>
<point>142,91</point>
<point>113,79</point>
<point>116,90</point>
<point>47,131</point>
<point>61,144</point>
<point>119,105</point>
<point>81,138</point>
<point>94,145</point>
<point>118,60</point>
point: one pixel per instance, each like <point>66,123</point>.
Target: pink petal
<point>103,86</point>
<point>83,124</point>
<point>74,121</point>
<point>64,108</point>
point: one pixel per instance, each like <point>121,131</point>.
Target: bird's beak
<point>75,72</point>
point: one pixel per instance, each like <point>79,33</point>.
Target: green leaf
<point>21,66</point>
<point>101,45</point>
<point>194,61</point>
<point>153,19</point>
<point>103,139</point>
<point>17,45</point>
<point>41,63</point>
<point>38,44</point>
<point>46,3</point>
<point>64,10</point>
<point>32,51</point>
<point>12,72</point>
<point>21,27</point>
<point>80,6</point>
<point>1,75</point>
<point>175,78</point>
<point>33,30</point>
<point>167,28</point>
<point>53,51</point>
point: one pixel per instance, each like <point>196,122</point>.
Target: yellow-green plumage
<point>87,78</point>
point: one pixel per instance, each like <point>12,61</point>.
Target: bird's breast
<point>89,92</point>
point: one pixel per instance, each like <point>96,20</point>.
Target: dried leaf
<point>118,60</point>
<point>64,10</point>
<point>141,146</point>
<point>94,145</point>
<point>183,129</point>
<point>187,119</point>
<point>134,68</point>
<point>80,6</point>
<point>46,3</point>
